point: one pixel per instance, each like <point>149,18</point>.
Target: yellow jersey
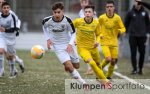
<point>87,34</point>
<point>110,28</point>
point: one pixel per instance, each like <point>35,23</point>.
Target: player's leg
<point>86,56</point>
<point>65,59</point>
<point>107,56</point>
<point>114,56</point>
<point>2,52</point>
<point>74,58</point>
<point>96,57</point>
<point>76,65</point>
<point>74,73</point>
<point>1,62</point>
<point>10,55</point>
<point>20,62</point>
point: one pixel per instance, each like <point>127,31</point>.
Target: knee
<point>10,57</point>
<point>67,68</point>
<point>2,51</point>
<point>97,63</point>
<point>76,66</point>
<point>108,59</point>
<point>114,61</point>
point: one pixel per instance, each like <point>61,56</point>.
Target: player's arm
<point>71,29</point>
<point>100,19</point>
<point>8,30</point>
<point>18,22</point>
<point>122,29</point>
<point>97,34</point>
<point>46,33</point>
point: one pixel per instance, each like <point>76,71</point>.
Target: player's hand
<point>69,48</point>
<point>17,33</point>
<point>75,42</point>
<point>49,43</point>
<point>2,29</point>
<point>124,34</point>
<point>96,44</point>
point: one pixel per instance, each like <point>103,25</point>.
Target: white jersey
<point>8,22</point>
<point>59,32</point>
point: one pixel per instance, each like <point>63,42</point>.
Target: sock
<point>98,71</point>
<point>12,66</point>
<point>18,60</point>
<point>75,74</point>
<point>110,71</point>
<point>104,63</point>
<point>1,64</point>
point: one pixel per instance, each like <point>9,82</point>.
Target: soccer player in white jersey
<point>60,33</point>
<point>7,38</point>
<point>18,24</point>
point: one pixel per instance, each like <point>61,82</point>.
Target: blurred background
<point>32,12</point>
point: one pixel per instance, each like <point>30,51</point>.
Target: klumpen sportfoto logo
<point>78,86</point>
<point>117,86</point>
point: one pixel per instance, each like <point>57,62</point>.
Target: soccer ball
<point>37,52</point>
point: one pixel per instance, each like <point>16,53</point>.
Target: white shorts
<point>11,50</point>
<point>64,56</point>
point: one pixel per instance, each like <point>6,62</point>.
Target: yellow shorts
<point>87,54</point>
<point>110,51</point>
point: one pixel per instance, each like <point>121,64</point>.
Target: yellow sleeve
<point>75,22</point>
<point>121,26</point>
<point>100,20</point>
<point>97,33</point>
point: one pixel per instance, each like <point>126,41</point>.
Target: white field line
<point>130,80</point>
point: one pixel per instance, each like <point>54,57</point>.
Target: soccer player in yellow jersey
<point>111,27</point>
<point>87,38</point>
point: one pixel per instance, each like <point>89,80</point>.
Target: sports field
<point>47,75</point>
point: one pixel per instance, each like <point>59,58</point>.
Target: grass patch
<point>47,75</point>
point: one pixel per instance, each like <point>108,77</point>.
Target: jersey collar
<point>4,16</point>
<point>110,17</point>
<point>88,22</point>
<point>57,21</point>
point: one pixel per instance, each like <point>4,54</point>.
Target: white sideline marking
<point>130,80</point>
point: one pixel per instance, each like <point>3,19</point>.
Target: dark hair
<point>5,3</point>
<point>58,5</point>
<point>110,2</point>
<point>89,6</point>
